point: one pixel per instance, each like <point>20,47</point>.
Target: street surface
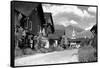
<point>65,56</point>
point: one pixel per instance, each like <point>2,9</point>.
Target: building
<point>94,43</point>
<point>36,20</point>
<point>74,38</point>
<point>32,21</point>
<point>29,16</point>
<point>94,29</point>
<point>49,25</point>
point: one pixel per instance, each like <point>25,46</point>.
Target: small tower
<point>73,34</point>
<point>73,43</point>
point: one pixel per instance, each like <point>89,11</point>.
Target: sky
<point>82,16</point>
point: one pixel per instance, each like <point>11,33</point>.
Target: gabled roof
<point>94,28</point>
<point>25,7</point>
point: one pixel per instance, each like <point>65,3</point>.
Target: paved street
<point>49,58</point>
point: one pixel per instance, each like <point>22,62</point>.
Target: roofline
<point>57,3</point>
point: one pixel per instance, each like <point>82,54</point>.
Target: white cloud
<point>73,22</point>
<point>86,14</point>
<point>67,14</point>
<point>63,22</point>
<point>66,22</point>
<point>88,28</point>
<point>56,9</point>
<point>92,9</point>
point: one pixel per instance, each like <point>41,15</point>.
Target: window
<point>30,25</point>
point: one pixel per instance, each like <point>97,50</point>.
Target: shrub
<point>43,50</point>
<point>28,51</point>
<point>18,52</point>
<point>59,48</point>
<point>86,54</point>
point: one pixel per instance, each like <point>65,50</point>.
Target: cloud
<point>86,14</point>
<point>66,15</point>
<point>90,25</point>
<point>88,28</point>
<point>62,22</point>
<point>92,9</point>
<point>56,9</point>
<point>73,22</point>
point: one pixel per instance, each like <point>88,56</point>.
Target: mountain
<point>69,27</point>
<point>56,34</point>
<point>59,27</point>
<point>74,27</point>
<point>59,31</point>
<point>79,32</point>
<point>85,33</point>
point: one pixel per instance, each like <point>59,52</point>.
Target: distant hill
<point>70,27</point>
<point>57,34</point>
<point>59,31</point>
<point>79,32</point>
<point>75,27</point>
<point>59,27</point>
<point>85,33</point>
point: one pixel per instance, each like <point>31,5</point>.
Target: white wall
<point>5,33</point>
